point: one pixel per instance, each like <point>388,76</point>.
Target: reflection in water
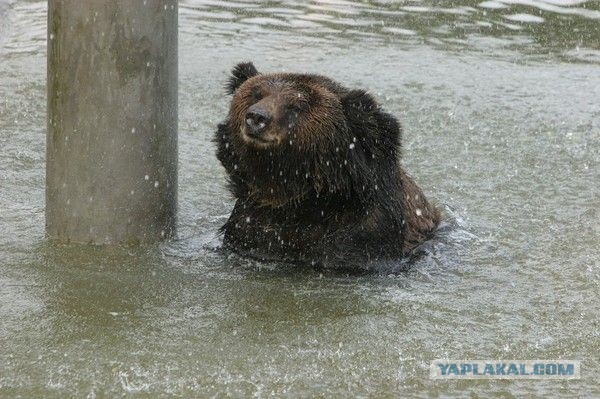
<point>567,28</point>
<point>557,26</point>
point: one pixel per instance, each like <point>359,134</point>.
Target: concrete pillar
<point>111,166</point>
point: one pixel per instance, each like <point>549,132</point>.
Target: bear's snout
<point>257,120</point>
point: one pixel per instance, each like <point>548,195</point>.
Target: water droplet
<point>146,177</point>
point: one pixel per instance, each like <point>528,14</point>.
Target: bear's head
<point>296,133</point>
<point>274,110</point>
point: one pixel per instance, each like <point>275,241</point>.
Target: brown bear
<point>315,170</point>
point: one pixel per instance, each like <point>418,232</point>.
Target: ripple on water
<point>27,33</point>
<point>525,18</point>
<point>445,27</point>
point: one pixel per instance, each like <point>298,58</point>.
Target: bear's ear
<point>359,100</point>
<point>239,74</point>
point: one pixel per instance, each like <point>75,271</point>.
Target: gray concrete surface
<point>112,121</point>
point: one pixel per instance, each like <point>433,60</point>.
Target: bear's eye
<point>294,109</point>
<point>293,113</point>
<point>256,95</point>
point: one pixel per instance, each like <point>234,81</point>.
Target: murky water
<point>501,106</point>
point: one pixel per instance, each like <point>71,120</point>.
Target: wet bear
<point>315,170</point>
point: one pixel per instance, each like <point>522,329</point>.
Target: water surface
<point>499,101</point>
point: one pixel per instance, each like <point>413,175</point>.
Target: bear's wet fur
<point>315,170</point>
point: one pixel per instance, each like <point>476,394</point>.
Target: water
<point>500,103</point>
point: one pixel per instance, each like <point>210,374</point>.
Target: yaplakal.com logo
<point>505,369</point>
